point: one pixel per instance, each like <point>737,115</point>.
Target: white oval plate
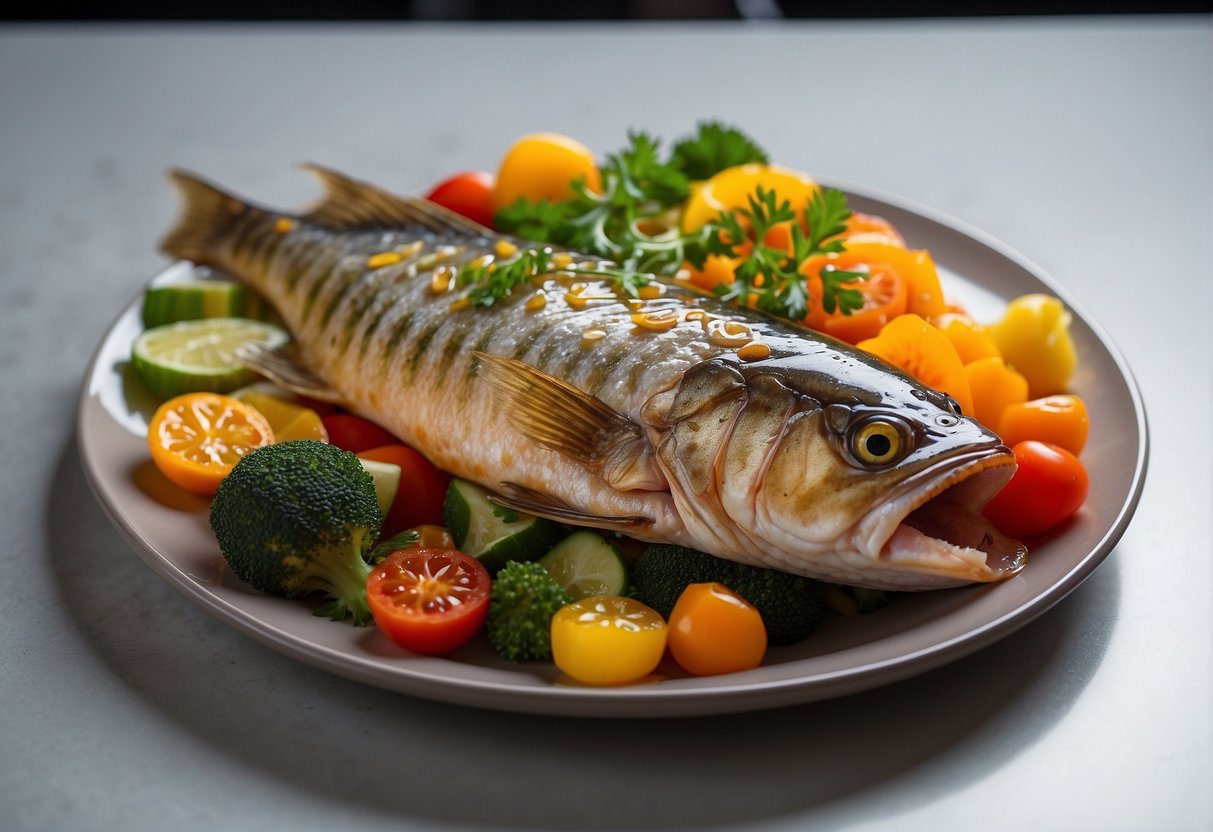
<point>169,530</point>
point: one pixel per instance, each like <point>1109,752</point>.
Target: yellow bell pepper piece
<point>1034,338</point>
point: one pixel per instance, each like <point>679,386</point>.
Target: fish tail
<point>207,215</point>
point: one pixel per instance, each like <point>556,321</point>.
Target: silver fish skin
<point>673,418</point>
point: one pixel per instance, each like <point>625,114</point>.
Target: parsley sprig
<point>630,221</point>
<point>770,277</point>
<point>491,282</point>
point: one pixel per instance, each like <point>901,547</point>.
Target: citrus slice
<point>197,438</point>
<point>288,419</point>
<point>199,355</point>
<point>196,299</point>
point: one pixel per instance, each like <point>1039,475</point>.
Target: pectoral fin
<point>531,501</point>
<point>573,423</point>
<point>283,368</point>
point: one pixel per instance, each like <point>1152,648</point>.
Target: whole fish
<point>660,412</point>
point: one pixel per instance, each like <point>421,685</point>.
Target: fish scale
<point>674,418</point>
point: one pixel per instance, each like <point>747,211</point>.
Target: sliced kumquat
<point>885,294</point>
<point>197,438</point>
<point>995,387</point>
<point>971,339</point>
<point>922,351</point>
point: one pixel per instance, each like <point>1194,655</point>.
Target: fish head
<point>836,466</point>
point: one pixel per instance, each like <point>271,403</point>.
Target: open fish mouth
<point>936,528</point>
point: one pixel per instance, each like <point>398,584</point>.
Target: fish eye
<point>877,442</point>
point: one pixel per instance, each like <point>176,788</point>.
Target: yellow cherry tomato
<point>607,640</point>
<point>731,188</point>
<point>544,166</point>
<point>714,630</point>
<point>995,387</point>
<point>1034,338</point>
<point>1059,420</point>
<point>197,438</point>
<point>971,339</point>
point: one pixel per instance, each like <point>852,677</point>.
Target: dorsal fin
<point>352,203</point>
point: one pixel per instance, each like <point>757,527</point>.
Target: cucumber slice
<point>386,477</point>
<point>585,564</point>
<point>199,355</point>
<point>197,299</point>
<point>493,535</point>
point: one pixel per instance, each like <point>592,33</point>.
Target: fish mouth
<point>935,527</point>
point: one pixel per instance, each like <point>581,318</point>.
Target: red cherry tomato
<point>355,434</point>
<point>429,600</point>
<point>469,193</point>
<point>422,488</point>
<point>1049,486</point>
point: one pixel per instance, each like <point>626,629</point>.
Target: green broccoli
<point>523,600</point>
<point>299,517</point>
<point>791,606</point>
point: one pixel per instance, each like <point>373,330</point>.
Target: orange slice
<point>197,438</point>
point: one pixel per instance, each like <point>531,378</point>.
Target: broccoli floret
<point>523,600</point>
<point>299,517</point>
<point>790,605</point>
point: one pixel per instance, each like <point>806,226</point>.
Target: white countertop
<point>1085,144</point>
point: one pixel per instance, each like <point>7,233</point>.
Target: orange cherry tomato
<point>469,194</point>
<point>197,438</point>
<point>732,188</point>
<point>422,488</point>
<point>544,166</point>
<point>1059,420</point>
<point>925,353</point>
<point>714,630</point>
<point>429,600</point>
<point>1049,485</point>
<point>995,387</point>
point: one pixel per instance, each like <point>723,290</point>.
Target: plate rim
<point>662,700</point>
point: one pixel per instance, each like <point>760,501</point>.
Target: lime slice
<point>199,355</point>
<point>584,564</point>
<point>197,299</point>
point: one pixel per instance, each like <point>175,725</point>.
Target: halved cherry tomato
<point>544,166</point>
<point>355,434</point>
<point>429,600</point>
<point>469,194</point>
<point>884,298</point>
<point>1049,486</point>
<point>422,488</point>
<point>607,640</point>
<point>714,630</point>
<point>197,438</point>
<point>1059,420</point>
<point>869,228</point>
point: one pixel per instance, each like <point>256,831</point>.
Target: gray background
<point>1084,144</point>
